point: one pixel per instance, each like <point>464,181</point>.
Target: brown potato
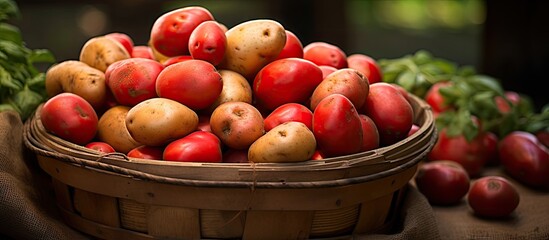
<point>157,121</point>
<point>78,78</point>
<point>288,142</point>
<point>235,89</point>
<point>251,45</point>
<point>112,129</point>
<point>237,124</point>
<point>346,81</point>
<point>100,52</point>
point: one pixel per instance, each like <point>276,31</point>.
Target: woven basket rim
<point>34,140</point>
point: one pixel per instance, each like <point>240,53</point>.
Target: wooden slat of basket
<point>133,215</point>
<point>216,224</point>
<point>62,195</point>
<point>149,192</point>
<point>335,222</point>
<point>96,207</point>
<point>277,225</point>
<point>173,222</point>
<point>98,230</point>
<point>374,213</point>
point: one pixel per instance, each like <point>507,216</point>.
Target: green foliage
<point>22,86</point>
<point>471,95</point>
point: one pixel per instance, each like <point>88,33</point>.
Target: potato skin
<point>237,124</point>
<point>252,45</point>
<point>235,89</point>
<point>157,121</point>
<point>112,129</point>
<point>78,78</point>
<point>100,52</point>
<point>288,142</point>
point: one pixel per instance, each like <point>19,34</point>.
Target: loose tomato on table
<point>442,182</point>
<point>493,197</point>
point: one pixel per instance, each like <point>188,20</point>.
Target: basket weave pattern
<point>115,197</point>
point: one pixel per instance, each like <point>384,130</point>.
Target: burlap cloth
<point>28,209</point>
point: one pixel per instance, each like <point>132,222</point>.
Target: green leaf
<point>10,33</point>
<point>41,56</point>
<point>27,101</point>
<point>15,52</point>
<point>407,80</point>
<point>7,81</point>
<point>8,9</point>
<point>485,83</point>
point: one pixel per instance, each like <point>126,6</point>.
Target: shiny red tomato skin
<point>193,83</point>
<point>171,31</point>
<point>366,65</point>
<point>292,48</point>
<point>323,53</point>
<point>525,159</point>
<point>370,135</point>
<point>176,59</point>
<point>434,98</point>
<point>142,52</point>
<point>471,155</point>
<point>289,112</point>
<point>123,39</point>
<point>133,80</point>
<point>285,81</point>
<point>442,182</point>
<point>101,147</point>
<point>337,126</point>
<point>208,42</point>
<point>493,197</point>
<point>70,117</point>
<point>235,156</point>
<point>146,152</point>
<point>199,146</point>
<point>391,112</point>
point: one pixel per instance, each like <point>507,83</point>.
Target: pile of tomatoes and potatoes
<point>200,91</point>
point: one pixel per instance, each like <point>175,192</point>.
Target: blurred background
<point>508,40</point>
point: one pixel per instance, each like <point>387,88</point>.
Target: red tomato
<point>208,42</point>
<point>413,130</point>
<point>391,112</point>
<point>337,126</point>
<point>525,158</point>
<point>326,70</point>
<point>490,141</point>
<point>235,156</point>
<point>504,104</point>
<point>146,152</point>
<point>194,83</point>
<point>285,81</point>
<point>70,117</point>
<point>133,80</point>
<point>366,65</point>
<point>370,135</point>
<point>204,123</point>
<point>493,197</point>
<point>101,147</point>
<point>317,155</point>
<point>435,99</point>
<point>198,146</point>
<point>322,53</point>
<point>471,155</point>
<point>123,39</point>
<point>170,32</point>
<point>289,112</point>
<point>142,52</point>
<point>543,137</point>
<point>176,59</point>
<point>442,182</point>
<point>292,48</point>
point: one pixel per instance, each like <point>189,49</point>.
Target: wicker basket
<point>115,197</point>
